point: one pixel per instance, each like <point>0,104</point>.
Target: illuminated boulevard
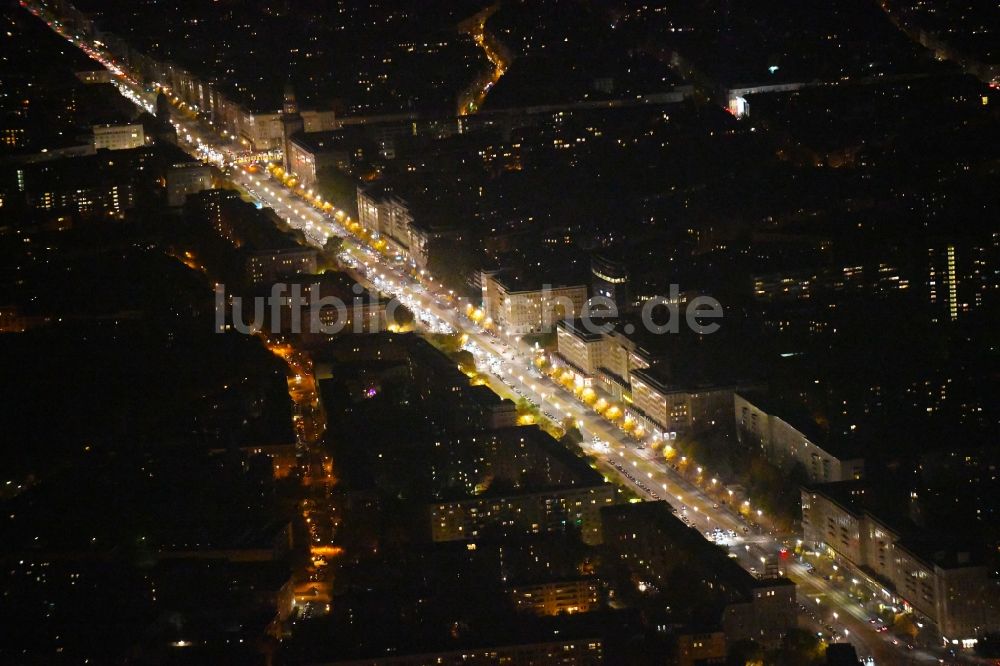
<point>511,372</point>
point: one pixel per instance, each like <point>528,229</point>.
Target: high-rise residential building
<point>962,275</point>
<point>291,123</point>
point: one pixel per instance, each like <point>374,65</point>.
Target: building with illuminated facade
<point>383,212</point>
<point>413,225</point>
<point>309,153</point>
<point>519,306</point>
<point>680,408</point>
<point>951,585</point>
<point>610,279</point>
<point>613,361</point>
<point>118,136</point>
<point>605,356</point>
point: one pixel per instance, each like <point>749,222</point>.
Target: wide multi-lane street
<point>826,605</point>
<point>635,465</point>
<point>620,458</point>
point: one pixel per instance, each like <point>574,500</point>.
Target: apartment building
<point>270,265</point>
<point>826,456</point>
<point>118,136</point>
<point>622,368</point>
<point>655,545</point>
<point>600,355</point>
<point>311,152</point>
<point>576,595</point>
<point>545,511</point>
<point>680,408</point>
<point>519,305</point>
<point>384,212</point>
<point>187,178</point>
<point>951,586</point>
